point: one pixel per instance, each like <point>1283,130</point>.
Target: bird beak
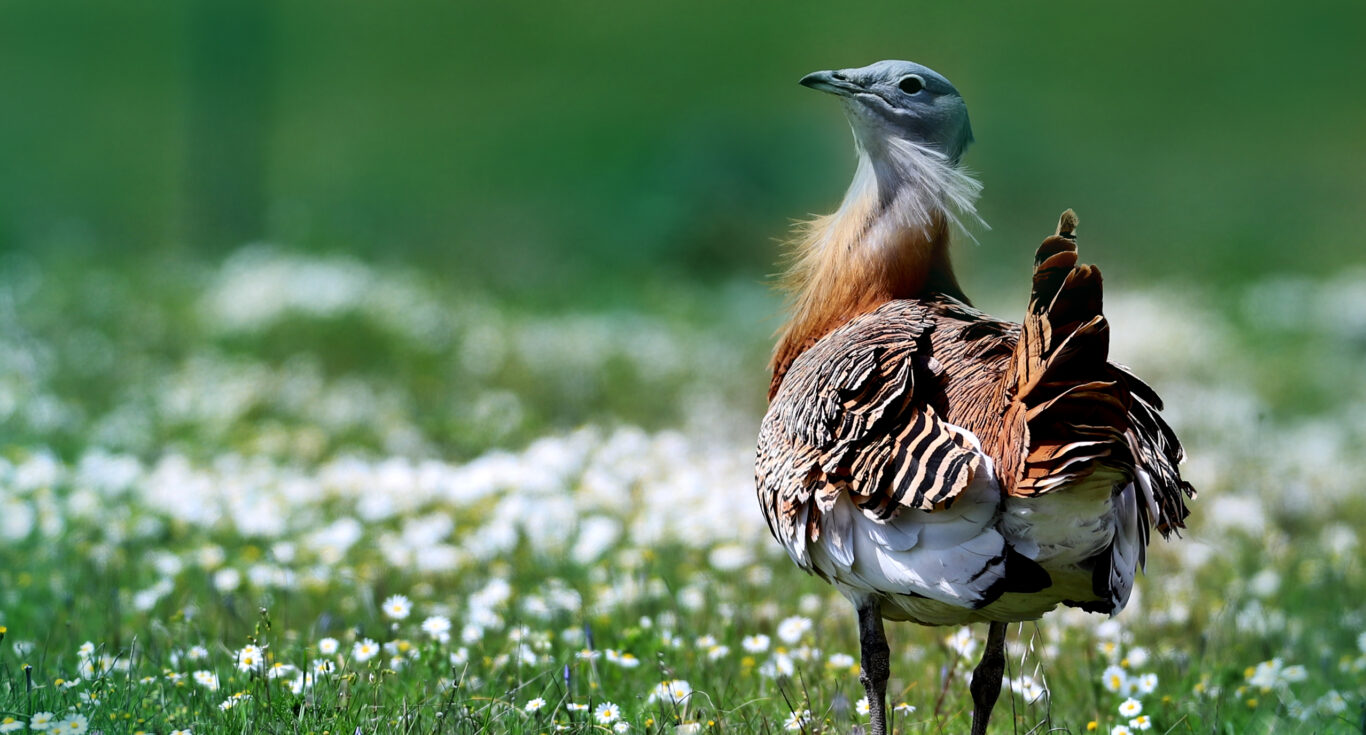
<point>833,82</point>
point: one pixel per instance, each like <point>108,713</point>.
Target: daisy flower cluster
<point>1124,677</point>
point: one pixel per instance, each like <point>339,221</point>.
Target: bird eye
<point>910,84</point>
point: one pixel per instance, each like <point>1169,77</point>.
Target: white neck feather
<point>909,187</point>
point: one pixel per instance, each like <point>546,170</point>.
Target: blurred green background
<point>576,150</point>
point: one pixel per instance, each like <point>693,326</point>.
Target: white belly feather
<point>938,567</point>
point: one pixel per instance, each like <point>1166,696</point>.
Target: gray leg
<point>874,668</point>
<point>986,678</point>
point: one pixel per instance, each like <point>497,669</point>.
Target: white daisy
<point>607,713</point>
<point>797,720</point>
<point>1114,678</point>
<point>535,705</point>
<point>249,658</point>
<point>397,607</point>
<point>791,630</point>
<point>364,650</point>
<point>1266,674</point>
<point>675,691</point>
<point>862,707</point>
<point>206,679</point>
<point>755,643</point>
<point>1028,688</point>
<point>1108,649</point>
<point>962,642</point>
<point>1130,707</point>
<point>328,646</point>
<point>438,627</point>
<point>1332,703</point>
<point>1142,722</point>
<point>783,665</point>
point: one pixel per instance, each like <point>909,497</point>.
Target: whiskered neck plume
<point>918,185</point>
<point>888,240</point>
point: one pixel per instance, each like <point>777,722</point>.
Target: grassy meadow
<point>306,494</point>
<point>396,368</point>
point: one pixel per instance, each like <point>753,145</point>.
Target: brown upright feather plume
<point>1068,410</point>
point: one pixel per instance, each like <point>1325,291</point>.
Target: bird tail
<point>1066,401</point>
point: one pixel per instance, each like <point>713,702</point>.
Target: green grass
<point>189,462</point>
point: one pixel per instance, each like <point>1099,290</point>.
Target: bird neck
<point>888,240</point>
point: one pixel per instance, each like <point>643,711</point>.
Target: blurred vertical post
<point>230,86</point>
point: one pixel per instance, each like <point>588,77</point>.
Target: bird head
<point>899,100</point>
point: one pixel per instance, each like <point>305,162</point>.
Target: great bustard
<point>934,463</point>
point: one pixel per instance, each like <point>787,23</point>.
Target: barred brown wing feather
<point>847,419</point>
<point>920,466</point>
